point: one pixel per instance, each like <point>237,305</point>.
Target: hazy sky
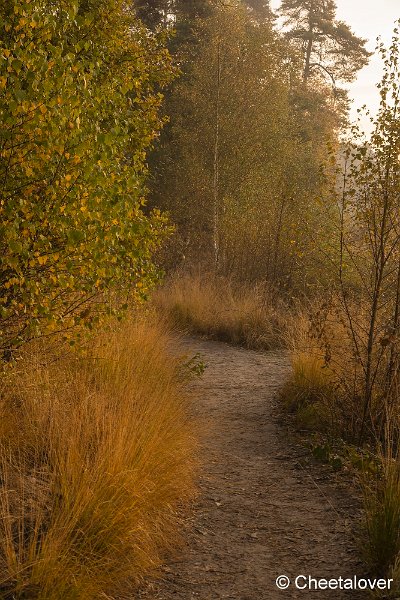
<point>368,19</point>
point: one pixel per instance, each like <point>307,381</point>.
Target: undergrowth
<point>325,394</point>
<point>97,456</point>
<point>214,307</point>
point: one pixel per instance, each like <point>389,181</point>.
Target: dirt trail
<point>260,513</point>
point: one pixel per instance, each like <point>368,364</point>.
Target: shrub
<point>327,373</point>
<point>79,96</point>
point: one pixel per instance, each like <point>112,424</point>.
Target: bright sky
<point>368,19</point>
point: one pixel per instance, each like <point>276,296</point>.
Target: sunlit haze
<point>368,19</point>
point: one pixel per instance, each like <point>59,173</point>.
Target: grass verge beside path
<point>214,307</point>
<point>97,457</point>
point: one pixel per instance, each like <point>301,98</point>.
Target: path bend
<point>260,514</point>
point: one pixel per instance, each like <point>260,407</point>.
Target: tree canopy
<point>329,47</point>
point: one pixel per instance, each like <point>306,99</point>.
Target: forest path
<point>260,513</point>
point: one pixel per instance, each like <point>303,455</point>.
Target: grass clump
<point>325,389</point>
<point>382,517</point>
<point>308,391</point>
<point>216,308</point>
<point>381,520</point>
<point>96,457</point>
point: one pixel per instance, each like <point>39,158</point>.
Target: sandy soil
<point>261,512</point>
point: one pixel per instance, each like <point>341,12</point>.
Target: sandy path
<point>260,513</point>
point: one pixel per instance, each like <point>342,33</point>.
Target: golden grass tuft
<point>97,461</point>
<point>325,387</point>
<point>309,391</point>
<point>382,519</point>
<point>214,307</point>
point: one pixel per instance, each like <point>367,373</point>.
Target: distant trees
<point>155,12</point>
<point>169,12</point>
<point>261,8</point>
<point>329,48</point>
<point>238,166</point>
<point>152,12</point>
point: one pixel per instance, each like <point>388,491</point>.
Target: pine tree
<point>184,12</point>
<point>330,49</point>
<point>158,12</point>
<point>151,12</point>
<point>260,8</point>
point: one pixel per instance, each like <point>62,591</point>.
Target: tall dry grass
<point>382,518</point>
<point>326,387</point>
<point>213,306</point>
<point>97,461</point>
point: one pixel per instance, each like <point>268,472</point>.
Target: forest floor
<point>264,509</point>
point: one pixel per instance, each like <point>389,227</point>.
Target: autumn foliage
<point>79,93</point>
